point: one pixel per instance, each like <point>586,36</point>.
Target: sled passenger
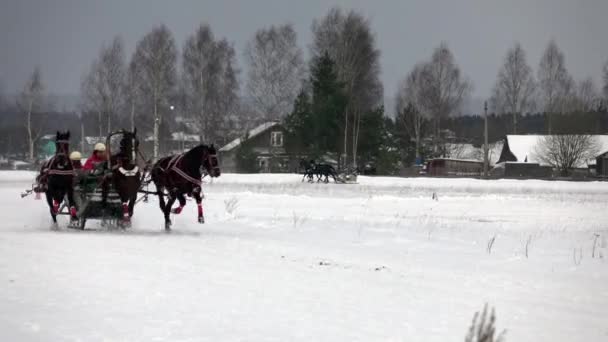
<point>98,157</point>
<point>76,159</point>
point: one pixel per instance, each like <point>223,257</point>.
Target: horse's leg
<point>72,204</point>
<point>132,204</point>
<point>49,200</point>
<point>124,200</point>
<point>161,198</point>
<point>167,211</point>
<point>199,204</point>
<point>182,203</point>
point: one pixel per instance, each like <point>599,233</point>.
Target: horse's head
<point>210,162</point>
<point>62,149</point>
<point>62,143</point>
<point>129,144</point>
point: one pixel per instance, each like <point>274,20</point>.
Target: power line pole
<point>485,137</point>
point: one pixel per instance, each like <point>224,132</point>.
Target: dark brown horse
<point>126,175</point>
<point>56,179</point>
<point>179,175</point>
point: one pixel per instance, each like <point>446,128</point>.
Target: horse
<point>312,169</point>
<point>126,175</point>
<point>308,168</point>
<point>56,178</point>
<point>327,171</point>
<point>180,175</point>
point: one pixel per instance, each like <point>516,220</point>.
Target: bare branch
<point>515,86</point>
<point>276,71</point>
<point>566,151</point>
<point>209,82</point>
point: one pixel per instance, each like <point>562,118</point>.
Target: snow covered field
<point>281,260</point>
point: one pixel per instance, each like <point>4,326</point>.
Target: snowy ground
<point>280,260</point>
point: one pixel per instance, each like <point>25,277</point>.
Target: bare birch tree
<point>155,59</point>
<point>90,90</point>
<point>2,99</point>
<point>515,86</point>
<point>408,106</point>
<point>566,151</point>
<point>443,87</point>
<point>132,92</point>
<point>275,71</point>
<point>103,88</point>
<point>209,82</point>
<point>556,84</point>
<point>587,96</point>
<point>351,44</point>
<point>605,77</point>
<point>30,100</point>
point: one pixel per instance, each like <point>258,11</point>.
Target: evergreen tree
<point>299,125</point>
<point>328,104</point>
<point>314,126</point>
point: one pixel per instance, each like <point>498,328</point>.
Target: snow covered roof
<point>251,134</point>
<point>524,147</point>
<point>181,136</point>
<point>94,140</point>
<point>464,151</point>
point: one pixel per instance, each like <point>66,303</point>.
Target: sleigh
<point>89,190</point>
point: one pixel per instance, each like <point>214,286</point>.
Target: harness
<point>50,171</point>
<point>173,165</point>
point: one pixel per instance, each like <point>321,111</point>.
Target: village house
<point>601,165</point>
<point>263,147</point>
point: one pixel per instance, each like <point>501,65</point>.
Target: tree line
<point>330,104</point>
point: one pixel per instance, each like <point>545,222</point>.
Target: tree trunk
<point>82,136</point>
<point>100,124</point>
<point>155,134</point>
<point>109,122</point>
<point>356,126</point>
<point>515,123</point>
<point>30,138</point>
<point>132,116</point>
<point>345,152</point>
<point>417,147</point>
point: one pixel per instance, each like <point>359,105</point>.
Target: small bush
<point>483,328</point>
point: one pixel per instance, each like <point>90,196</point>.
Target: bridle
<point>63,147</point>
<point>214,166</point>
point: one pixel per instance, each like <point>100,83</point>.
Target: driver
<point>98,157</point>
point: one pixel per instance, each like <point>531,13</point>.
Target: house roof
<point>181,136</point>
<point>251,134</point>
<point>524,147</point>
<point>94,140</point>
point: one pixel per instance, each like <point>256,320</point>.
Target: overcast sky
<point>64,36</point>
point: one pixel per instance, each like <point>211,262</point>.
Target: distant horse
<point>180,175</point>
<point>308,169</point>
<point>325,170</point>
<point>56,179</point>
<point>126,175</point>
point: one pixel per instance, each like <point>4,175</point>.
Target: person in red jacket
<point>98,156</point>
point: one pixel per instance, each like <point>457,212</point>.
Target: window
<point>276,139</point>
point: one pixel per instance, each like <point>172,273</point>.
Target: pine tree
<point>328,104</point>
<point>299,125</point>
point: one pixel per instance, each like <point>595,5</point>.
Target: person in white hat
<point>98,156</point>
<point>75,158</point>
